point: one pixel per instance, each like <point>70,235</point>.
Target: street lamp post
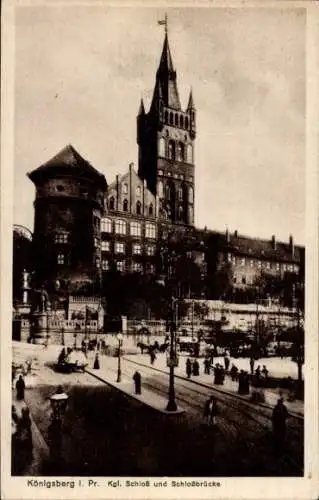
<point>171,405</point>
<point>58,402</point>
<point>119,371</point>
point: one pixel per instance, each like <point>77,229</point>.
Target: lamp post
<point>172,361</point>
<point>119,337</point>
<point>59,401</point>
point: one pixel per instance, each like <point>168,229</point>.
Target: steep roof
<point>67,161</point>
<point>166,79</point>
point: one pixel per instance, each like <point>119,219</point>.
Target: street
<point>108,433</point>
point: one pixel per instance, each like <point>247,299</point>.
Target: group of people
<point>192,368</point>
<point>22,445</point>
<point>243,382</point>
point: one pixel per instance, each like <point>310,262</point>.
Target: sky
<point>80,73</point>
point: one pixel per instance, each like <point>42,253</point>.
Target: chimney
<point>291,245</point>
<point>236,233</point>
<point>273,242</point>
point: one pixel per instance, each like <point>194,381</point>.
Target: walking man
<point>20,386</point>
<point>210,410</point>
<point>252,365</point>
<point>279,417</point>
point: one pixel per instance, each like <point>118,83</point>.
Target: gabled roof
<point>67,161</point>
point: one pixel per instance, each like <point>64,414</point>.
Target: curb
<point>202,384</point>
<point>134,396</point>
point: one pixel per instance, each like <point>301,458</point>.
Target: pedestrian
<point>226,362</point>
<point>24,434</point>
<point>257,373</point>
<point>153,356</point>
<point>264,371</point>
<point>279,417</point>
<point>207,366</point>
<point>252,365</point>
<point>210,410</point>
<point>62,356</point>
<point>20,386</point>
<point>188,368</point>
<point>137,382</point>
<point>96,365</point>
<point>233,372</point>
<point>196,368</point>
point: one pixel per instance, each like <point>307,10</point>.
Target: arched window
<point>180,213</point>
<point>138,208</point>
<point>166,116</point>
<point>160,189</point>
<point>125,205</point>
<point>190,194</point>
<point>180,193</point>
<point>125,188</point>
<point>180,151</point>
<point>182,121</point>
<point>176,119</point>
<point>190,215</point>
<point>111,203</point>
<point>167,192</point>
<point>150,209</point>
<point>186,122</point>
<point>106,226</point>
<point>138,190</point>
<point>190,153</point>
<point>171,150</point>
<point>171,118</point>
<point>161,146</point>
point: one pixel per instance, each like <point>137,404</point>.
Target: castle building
<point>85,229</point>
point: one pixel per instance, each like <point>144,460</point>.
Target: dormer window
<point>125,188</point>
<point>138,191</point>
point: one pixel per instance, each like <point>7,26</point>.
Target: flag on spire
<point>163,22</point>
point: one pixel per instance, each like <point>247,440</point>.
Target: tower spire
<point>163,22</point>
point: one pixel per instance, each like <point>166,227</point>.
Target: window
<point>171,118</point>
<point>243,280</point>
<point>161,146</point>
<point>61,238</point>
<point>182,122</point>
<point>105,265</point>
<point>180,213</point>
<point>138,190</point>
<point>135,229</point>
<point>259,264</point>
<point>125,188</point>
<point>251,263</point>
<point>96,242</point>
<point>176,119</point>
<point>120,227</point>
<point>277,266</point>
<point>106,226</point>
<point>160,189</point>
<point>97,262</point>
<point>180,193</point>
<point>150,231</point>
<point>268,265</point>
<point>119,247</point>
<point>150,268</point>
<point>296,269</point>
<point>150,250</point>
<point>190,153</point>
<point>243,261</point>
<point>186,122</point>
<point>136,267</point>
<point>234,279</point>
<point>111,203</point>
<point>138,208</point>
<point>234,259</point>
<point>190,194</point>
<point>60,259</point>
<point>125,205</point>
<point>137,249</point>
<point>105,246</point>
<point>96,222</point>
<point>171,150</point>
<point>120,265</point>
<point>150,209</point>
<point>284,267</point>
<point>160,172</point>
<point>180,151</point>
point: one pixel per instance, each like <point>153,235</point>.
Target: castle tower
<point>68,207</point>
<point>165,136</point>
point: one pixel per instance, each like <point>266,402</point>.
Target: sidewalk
<point>108,374</point>
<point>271,395</point>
